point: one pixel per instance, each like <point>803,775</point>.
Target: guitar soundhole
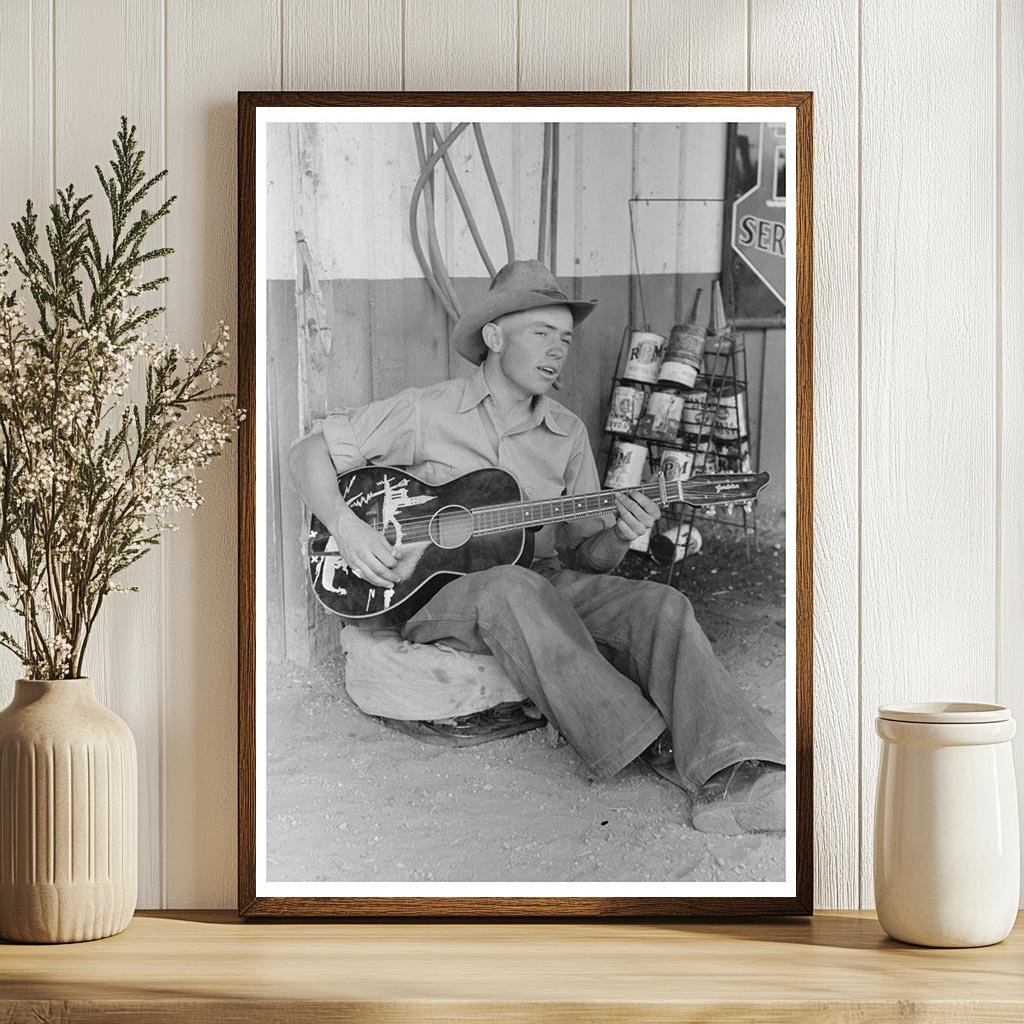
<point>451,527</point>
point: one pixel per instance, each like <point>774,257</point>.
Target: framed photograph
<point>525,504</point>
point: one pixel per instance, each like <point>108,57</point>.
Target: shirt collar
<point>476,389</point>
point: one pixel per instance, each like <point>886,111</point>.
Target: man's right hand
<point>365,550</point>
<point>359,544</point>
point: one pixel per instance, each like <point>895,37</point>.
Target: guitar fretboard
<point>501,518</point>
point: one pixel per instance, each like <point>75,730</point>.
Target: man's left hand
<point>636,514</point>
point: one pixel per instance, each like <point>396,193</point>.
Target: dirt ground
<point>350,799</point>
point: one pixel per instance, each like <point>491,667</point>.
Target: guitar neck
<point>519,515</point>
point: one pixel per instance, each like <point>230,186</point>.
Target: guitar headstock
<point>722,489</point>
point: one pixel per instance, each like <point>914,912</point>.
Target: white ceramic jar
<point>947,847</point>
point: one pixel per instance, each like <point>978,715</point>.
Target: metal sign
<point>759,215</point>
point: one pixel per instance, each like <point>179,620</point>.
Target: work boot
<point>746,797</point>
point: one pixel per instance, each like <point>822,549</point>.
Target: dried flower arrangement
<point>89,477</point>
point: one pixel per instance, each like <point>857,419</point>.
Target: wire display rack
<point>721,444</point>
<point>716,431</point>
<point>718,440</point>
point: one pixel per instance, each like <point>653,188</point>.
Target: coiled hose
<point>427,164</point>
<point>434,270</point>
<point>464,203</point>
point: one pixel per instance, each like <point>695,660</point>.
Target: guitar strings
<point>650,490</point>
<point>587,513</point>
<point>410,532</point>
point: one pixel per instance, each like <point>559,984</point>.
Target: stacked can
<point>731,414</point>
<point>698,424</point>
<point>625,409</point>
<point>676,464</point>
<point>698,419</point>
<point>730,430</point>
<point>644,354</point>
<point>625,464</point>
<point>663,415</point>
<point>733,458</point>
<point>722,343</point>
<point>705,457</point>
<point>626,469</point>
<point>685,351</point>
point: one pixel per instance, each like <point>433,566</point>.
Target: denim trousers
<point>610,662</point>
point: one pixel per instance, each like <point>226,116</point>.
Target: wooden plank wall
<point>918,291</point>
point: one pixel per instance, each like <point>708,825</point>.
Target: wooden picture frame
<point>258,897</point>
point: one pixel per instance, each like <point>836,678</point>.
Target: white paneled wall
<point>919,302</point>
<point>831,71</point>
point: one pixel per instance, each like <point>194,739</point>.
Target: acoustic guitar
<point>474,522</point>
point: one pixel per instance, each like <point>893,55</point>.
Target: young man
<point>614,664</point>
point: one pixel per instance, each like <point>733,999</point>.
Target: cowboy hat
<point>519,285</point>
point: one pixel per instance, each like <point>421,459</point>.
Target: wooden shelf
<point>208,966</point>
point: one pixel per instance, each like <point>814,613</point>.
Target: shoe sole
<point>766,813</point>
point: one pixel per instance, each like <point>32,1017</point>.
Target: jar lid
<point>945,712</point>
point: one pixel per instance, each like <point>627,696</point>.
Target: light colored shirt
<point>441,432</point>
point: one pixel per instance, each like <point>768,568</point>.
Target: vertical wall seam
<point>402,34</point>
<point>689,52</point>
<point>53,98</point>
<point>280,42</point>
<point>750,56</point>
<point>33,170</point>
<point>860,456</point>
<point>519,44</point>
<point>633,191</point>
<point>162,695</point>
<point>997,211</point>
<point>629,43</point>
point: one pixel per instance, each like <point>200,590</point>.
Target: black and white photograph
<point>525,516</point>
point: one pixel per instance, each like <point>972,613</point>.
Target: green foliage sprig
<point>89,477</point>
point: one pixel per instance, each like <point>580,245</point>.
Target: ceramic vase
<point>68,815</point>
<point>947,847</point>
